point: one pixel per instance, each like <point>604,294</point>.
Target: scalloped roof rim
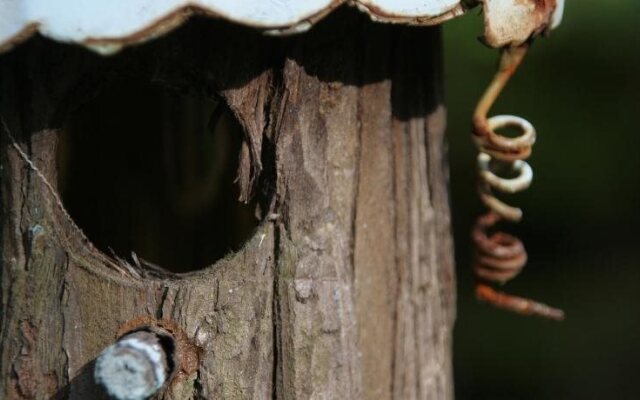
<point>94,24</point>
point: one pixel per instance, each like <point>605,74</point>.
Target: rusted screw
<point>133,368</point>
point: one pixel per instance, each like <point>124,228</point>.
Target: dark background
<point>581,89</point>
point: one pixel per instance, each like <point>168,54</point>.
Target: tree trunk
<point>346,288</point>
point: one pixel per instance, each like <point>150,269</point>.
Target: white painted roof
<point>108,25</point>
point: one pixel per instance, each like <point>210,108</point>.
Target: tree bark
<point>345,290</point>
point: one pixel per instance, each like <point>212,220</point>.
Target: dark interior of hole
<point>147,170</point>
<point>169,347</point>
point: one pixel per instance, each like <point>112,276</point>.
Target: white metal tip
<point>132,368</point>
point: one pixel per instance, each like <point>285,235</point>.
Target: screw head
<point>133,368</point>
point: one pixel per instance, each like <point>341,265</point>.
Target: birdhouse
<point>237,199</point>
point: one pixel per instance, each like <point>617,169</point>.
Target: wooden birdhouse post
<point>259,197</point>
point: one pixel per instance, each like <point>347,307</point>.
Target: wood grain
<point>346,289</point>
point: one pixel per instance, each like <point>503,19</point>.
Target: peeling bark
<point>346,289</point>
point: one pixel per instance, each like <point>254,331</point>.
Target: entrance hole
<point>146,170</point>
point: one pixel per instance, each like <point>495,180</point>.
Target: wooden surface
<point>346,289</point>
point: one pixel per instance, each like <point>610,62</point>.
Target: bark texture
<point>346,289</point>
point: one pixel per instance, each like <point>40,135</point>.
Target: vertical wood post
<point>346,289</point>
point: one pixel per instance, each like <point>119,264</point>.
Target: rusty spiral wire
<point>499,256</point>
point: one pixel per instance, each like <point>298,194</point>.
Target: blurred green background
<point>581,90</point>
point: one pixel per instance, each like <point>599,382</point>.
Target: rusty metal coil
<point>499,256</point>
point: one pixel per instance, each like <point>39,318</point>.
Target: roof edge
<point>111,40</point>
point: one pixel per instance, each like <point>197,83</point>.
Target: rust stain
<point>544,11</point>
<point>545,5</point>
<point>24,368</point>
<point>516,304</point>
